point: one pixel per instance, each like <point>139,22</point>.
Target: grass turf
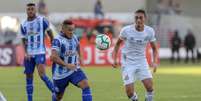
<point>173,82</point>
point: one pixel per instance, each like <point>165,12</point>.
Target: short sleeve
<point>22,32</point>
<point>56,45</point>
<point>45,24</point>
<point>152,37</point>
<point>122,34</point>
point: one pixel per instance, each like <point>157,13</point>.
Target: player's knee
<point>59,98</point>
<point>150,89</point>
<point>84,84</point>
<point>41,74</point>
<point>129,93</point>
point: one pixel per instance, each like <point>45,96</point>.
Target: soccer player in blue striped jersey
<point>66,60</point>
<point>33,34</point>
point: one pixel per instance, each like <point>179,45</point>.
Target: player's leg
<point>172,57</point>
<point>40,61</point>
<point>79,79</point>
<point>131,92</point>
<point>128,79</point>
<point>192,54</point>
<point>178,55</point>
<point>148,84</point>
<point>146,77</point>
<point>60,86</point>
<point>187,56</point>
<point>29,65</point>
<point>86,92</point>
<point>44,77</point>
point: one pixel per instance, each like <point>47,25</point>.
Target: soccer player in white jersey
<point>66,60</point>
<point>134,65</point>
<point>33,34</point>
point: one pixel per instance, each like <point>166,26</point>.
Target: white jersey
<point>134,49</point>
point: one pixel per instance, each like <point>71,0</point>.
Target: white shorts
<point>131,73</point>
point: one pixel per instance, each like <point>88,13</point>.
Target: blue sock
<point>86,94</point>
<point>29,88</point>
<point>54,97</point>
<point>48,83</point>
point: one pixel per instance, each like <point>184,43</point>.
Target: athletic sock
<point>29,88</point>
<point>48,83</point>
<point>86,94</point>
<point>149,96</point>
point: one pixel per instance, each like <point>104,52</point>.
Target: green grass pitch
<point>171,82</point>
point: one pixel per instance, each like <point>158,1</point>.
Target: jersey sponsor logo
<point>70,53</point>
<point>32,33</point>
<point>136,41</point>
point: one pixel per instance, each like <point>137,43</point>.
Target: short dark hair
<point>31,4</point>
<point>141,11</point>
<point>67,22</point>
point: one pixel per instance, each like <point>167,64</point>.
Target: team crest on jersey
<point>31,28</point>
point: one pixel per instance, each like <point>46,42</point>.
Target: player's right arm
<point>24,41</point>
<point>56,58</point>
<point>115,52</point>
<point>121,38</point>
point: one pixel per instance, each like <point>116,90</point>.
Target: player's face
<point>31,11</point>
<point>140,19</point>
<point>68,29</point>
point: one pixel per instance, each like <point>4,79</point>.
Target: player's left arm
<point>154,47</point>
<point>155,51</point>
<point>47,29</point>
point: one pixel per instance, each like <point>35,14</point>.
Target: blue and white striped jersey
<point>34,32</point>
<point>67,48</point>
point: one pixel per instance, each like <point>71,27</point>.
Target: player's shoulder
<point>127,27</point>
<point>40,17</point>
<point>149,29</point>
<point>23,22</point>
<point>58,36</point>
<point>75,36</point>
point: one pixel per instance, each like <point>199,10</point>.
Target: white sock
<point>134,97</point>
<point>149,96</point>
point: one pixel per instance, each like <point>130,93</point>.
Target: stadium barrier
<point>7,55</point>
<point>14,55</point>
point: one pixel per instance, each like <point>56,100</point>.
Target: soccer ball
<point>103,41</point>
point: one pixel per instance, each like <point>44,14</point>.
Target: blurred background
<point>177,26</point>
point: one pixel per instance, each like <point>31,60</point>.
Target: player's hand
<point>114,65</point>
<point>71,66</point>
<point>154,66</point>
